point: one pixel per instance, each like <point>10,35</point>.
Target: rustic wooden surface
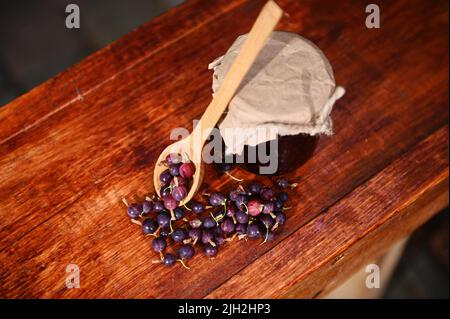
<point>71,148</point>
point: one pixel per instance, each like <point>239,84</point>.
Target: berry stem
<point>235,178</point>
<point>137,222</point>
<point>183,264</point>
<point>125,201</point>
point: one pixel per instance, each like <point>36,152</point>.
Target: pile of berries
<point>250,211</point>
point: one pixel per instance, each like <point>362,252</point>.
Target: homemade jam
<point>292,152</point>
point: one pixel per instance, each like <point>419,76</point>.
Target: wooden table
<point>74,146</point>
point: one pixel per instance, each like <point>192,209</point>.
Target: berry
<point>134,210</point>
<point>252,231</point>
<point>210,250</point>
<point>197,207</point>
<point>278,204</point>
<point>195,223</point>
<point>241,229</point>
<point>280,218</point>
<point>147,207</point>
<point>187,170</point>
<point>163,219</point>
<point>231,210</point>
<point>255,207</point>
<point>217,199</point>
<point>195,234</point>
<point>207,236</point>
<point>179,235</point>
<point>255,188</point>
<point>165,177</point>
<point>170,203</point>
<point>268,208</point>
<point>227,226</point>
<point>179,213</point>
<point>186,252</point>
<point>283,183</point>
<point>179,193</point>
<point>266,193</point>
<point>241,200</point>
<point>283,197</point>
<point>234,195</point>
<point>158,206</point>
<point>241,217</point>
<point>267,221</point>
<point>174,170</point>
<point>220,240</point>
<point>159,244</point>
<point>149,226</point>
<point>209,222</point>
<point>165,190</point>
<point>169,260</point>
<point>173,158</point>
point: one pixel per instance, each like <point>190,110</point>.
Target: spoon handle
<point>263,26</point>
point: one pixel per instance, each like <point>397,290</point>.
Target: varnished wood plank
<point>358,229</point>
<point>74,166</point>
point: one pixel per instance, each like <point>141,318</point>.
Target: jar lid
<point>290,89</point>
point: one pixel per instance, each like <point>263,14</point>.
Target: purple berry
<point>210,250</point>
<point>179,193</point>
<point>280,218</point>
<point>174,170</point>
<point>217,199</point>
<point>179,234</point>
<point>241,217</point>
<point>266,193</point>
<point>165,177</point>
<point>173,158</point>
<point>186,252</point>
<point>170,203</point>
<point>227,226</point>
<point>283,197</point>
<point>179,213</point>
<point>159,244</point>
<point>283,183</point>
<point>163,219</point>
<point>169,260</point>
<point>209,222</point>
<point>158,206</point>
<point>149,226</point>
<point>241,229</point>
<point>147,207</point>
<point>252,231</point>
<point>255,188</point>
<point>134,210</point>
<point>197,207</point>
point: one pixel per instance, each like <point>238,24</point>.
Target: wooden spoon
<point>192,145</point>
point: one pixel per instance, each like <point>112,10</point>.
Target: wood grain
<point>65,162</point>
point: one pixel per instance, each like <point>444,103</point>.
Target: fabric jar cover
<point>290,89</point>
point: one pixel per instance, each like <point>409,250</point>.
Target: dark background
<point>35,45</point>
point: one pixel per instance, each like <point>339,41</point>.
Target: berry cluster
<point>175,180</point>
<point>251,211</point>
